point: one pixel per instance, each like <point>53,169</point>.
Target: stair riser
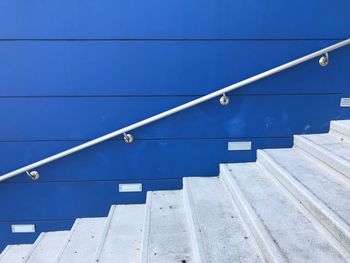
<point>264,241</point>
<point>166,234</point>
<point>36,243</point>
<point>2,255</point>
<point>82,241</point>
<point>340,128</point>
<point>197,244</point>
<point>322,154</point>
<point>14,253</point>
<point>146,229</point>
<point>104,234</point>
<point>47,248</point>
<point>76,223</point>
<point>328,219</point>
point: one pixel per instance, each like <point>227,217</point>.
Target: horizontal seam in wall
<point>167,96</point>
<point>170,39</point>
<point>14,221</point>
<point>152,139</point>
<point>159,180</point>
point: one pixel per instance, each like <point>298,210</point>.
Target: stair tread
<point>123,240</point>
<point>340,127</point>
<point>168,237</point>
<point>345,122</point>
<point>47,249</point>
<point>14,253</point>
<point>293,232</point>
<point>84,237</point>
<point>327,185</point>
<point>342,122</point>
<point>337,145</point>
<point>219,222</point>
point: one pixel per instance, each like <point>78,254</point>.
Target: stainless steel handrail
<point>322,52</point>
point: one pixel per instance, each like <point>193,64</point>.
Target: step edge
<point>338,134</point>
<point>340,128</point>
<point>262,237</point>
<point>305,199</point>
<point>76,223</point>
<point>335,173</point>
<point>146,228</point>
<point>321,154</point>
<point>199,251</point>
<point>34,246</point>
<point>6,249</point>
<point>104,234</point>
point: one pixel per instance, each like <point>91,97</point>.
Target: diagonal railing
<point>224,99</point>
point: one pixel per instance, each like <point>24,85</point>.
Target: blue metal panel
<point>144,68</point>
<point>86,184</point>
<point>74,70</point>
<point>145,159</point>
<point>268,19</point>
<point>86,118</point>
<point>67,200</point>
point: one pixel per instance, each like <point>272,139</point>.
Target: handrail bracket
<point>322,54</point>
<point>324,60</point>
<point>34,175</point>
<point>224,100</point>
<point>128,138</point>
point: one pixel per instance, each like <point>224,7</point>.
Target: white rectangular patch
<point>130,188</point>
<point>239,146</point>
<point>29,228</point>
<point>345,102</point>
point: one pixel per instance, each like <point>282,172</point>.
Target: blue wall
<point>73,70</point>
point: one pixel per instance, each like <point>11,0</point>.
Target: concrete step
<point>342,127</point>
<point>219,235</point>
<point>121,240</point>
<point>292,205</point>
<point>47,247</point>
<point>334,150</point>
<point>278,217</point>
<point>166,233</point>
<point>322,190</point>
<point>83,238</point>
<point>14,253</point>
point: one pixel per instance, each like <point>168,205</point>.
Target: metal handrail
<point>323,61</point>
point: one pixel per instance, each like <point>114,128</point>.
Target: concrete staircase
<point>292,205</point>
